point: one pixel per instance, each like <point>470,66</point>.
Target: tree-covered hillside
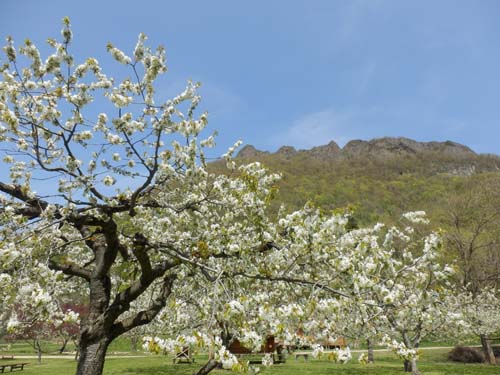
<point>380,179</point>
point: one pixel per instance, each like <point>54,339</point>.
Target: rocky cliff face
<point>331,150</point>
<point>378,148</point>
<point>386,147</point>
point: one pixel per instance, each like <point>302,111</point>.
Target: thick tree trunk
<point>489,356</point>
<point>94,334</point>
<point>371,357</point>
<point>411,366</point>
<point>92,355</point>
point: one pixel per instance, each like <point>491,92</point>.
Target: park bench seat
<point>12,367</point>
<point>256,358</point>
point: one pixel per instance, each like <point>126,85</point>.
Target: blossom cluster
<point>400,349</point>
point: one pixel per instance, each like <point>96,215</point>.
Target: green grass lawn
<point>433,362</point>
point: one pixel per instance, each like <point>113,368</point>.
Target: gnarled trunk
<point>489,356</point>
<point>92,355</point>
<point>94,335</point>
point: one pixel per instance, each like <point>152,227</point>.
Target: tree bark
<point>209,366</point>
<point>407,366</point>
<point>77,350</point>
<point>371,357</point>
<point>63,347</point>
<point>414,368</point>
<point>489,356</point>
<point>38,350</point>
<point>94,335</point>
<point>410,365</point>
<point>92,355</point>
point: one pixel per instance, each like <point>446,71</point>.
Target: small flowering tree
<point>481,312</point>
<point>390,276</point>
<point>412,292</point>
<point>25,324</point>
<point>473,238</point>
<point>213,315</point>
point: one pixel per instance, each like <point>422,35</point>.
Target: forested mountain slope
<point>378,180</point>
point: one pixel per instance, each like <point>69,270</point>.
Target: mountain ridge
<point>377,147</point>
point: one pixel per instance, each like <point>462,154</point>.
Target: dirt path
<point>69,356</point>
<point>72,357</point>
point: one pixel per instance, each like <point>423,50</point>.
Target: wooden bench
<point>13,367</point>
<point>256,358</point>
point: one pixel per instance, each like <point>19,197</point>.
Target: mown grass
<point>433,362</point>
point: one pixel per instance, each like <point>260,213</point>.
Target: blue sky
<point>303,73</point>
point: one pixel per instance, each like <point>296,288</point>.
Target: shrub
<point>465,354</point>
<point>496,351</point>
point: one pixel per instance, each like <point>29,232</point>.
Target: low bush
<point>465,354</point>
<point>496,351</point>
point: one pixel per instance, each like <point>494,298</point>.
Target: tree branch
<point>35,205</point>
<point>70,269</point>
<point>145,316</point>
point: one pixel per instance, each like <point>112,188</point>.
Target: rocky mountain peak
<point>249,151</point>
<point>286,151</point>
<point>376,148</point>
<point>387,146</point>
<point>330,150</point>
